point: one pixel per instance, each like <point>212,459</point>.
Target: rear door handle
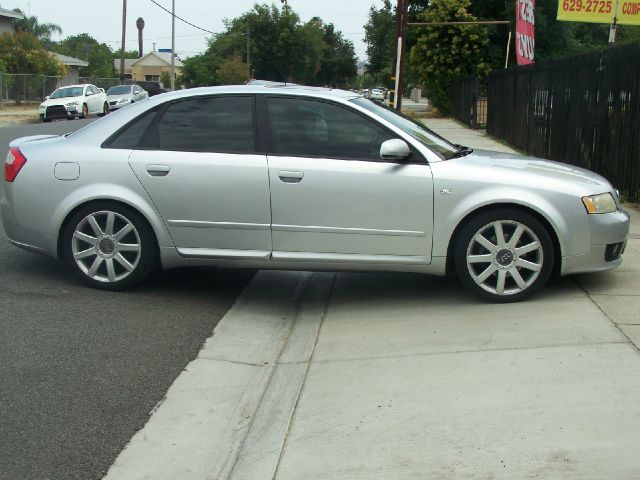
<point>289,176</point>
<point>158,170</point>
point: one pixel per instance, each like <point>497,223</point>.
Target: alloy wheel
<point>106,246</point>
<point>505,257</point>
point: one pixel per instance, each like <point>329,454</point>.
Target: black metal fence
<point>582,110</point>
<point>468,105</point>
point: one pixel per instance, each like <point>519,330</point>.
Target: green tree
<point>200,71</point>
<point>338,65</point>
<point>444,53</point>
<point>30,24</point>
<point>282,48</point>
<point>21,52</point>
<point>233,71</point>
<point>378,35</point>
<point>83,46</point>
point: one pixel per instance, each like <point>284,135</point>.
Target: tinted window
<point>132,133</point>
<point>311,128</point>
<point>208,124</point>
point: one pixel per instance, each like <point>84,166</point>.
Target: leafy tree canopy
<point>281,48</point>
<point>21,52</point>
<point>85,47</point>
<point>443,53</point>
<point>42,31</point>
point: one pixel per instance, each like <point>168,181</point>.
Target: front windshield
<point>65,92</point>
<point>417,130</point>
<point>119,90</point>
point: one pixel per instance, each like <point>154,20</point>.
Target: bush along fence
<point>17,88</point>
<point>469,101</point>
<point>582,110</point>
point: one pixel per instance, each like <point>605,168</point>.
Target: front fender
<point>565,215</point>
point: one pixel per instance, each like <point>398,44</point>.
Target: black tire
<point>46,120</point>
<point>105,110</point>
<point>71,118</point>
<point>108,250</point>
<point>519,272</point>
<point>85,111</point>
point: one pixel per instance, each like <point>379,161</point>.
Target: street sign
<point>525,31</point>
<point>600,11</point>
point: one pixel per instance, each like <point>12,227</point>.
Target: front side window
<point>207,124</point>
<point>416,129</point>
<point>311,128</point>
<point>131,135</point>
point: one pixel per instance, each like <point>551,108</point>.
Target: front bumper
<point>609,234</point>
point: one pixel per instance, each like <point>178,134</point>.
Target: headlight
<point>41,106</point>
<point>71,104</point>
<point>601,203</point>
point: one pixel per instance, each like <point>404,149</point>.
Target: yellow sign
<point>600,11</point>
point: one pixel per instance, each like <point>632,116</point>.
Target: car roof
<point>286,89</point>
<point>73,86</point>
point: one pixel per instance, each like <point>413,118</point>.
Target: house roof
<point>127,64</point>
<point>70,61</point>
<point>165,57</point>
<point>10,14</point>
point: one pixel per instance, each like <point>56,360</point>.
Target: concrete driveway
<point>397,376</point>
<point>361,376</point>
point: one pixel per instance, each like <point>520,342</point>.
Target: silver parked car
<point>122,95</point>
<point>294,177</point>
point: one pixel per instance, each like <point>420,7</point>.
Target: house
<point>149,67</point>
<point>6,20</point>
<point>73,64</point>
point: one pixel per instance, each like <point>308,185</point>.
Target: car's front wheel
<point>504,255</point>
<point>109,246</point>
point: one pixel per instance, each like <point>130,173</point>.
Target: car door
<point>199,164</point>
<point>333,199</point>
<point>93,99</point>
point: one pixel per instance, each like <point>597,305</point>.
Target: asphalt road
<point>81,369</point>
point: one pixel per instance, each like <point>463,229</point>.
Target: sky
<point>103,19</point>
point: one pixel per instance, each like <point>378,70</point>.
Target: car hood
<point>61,101</point>
<point>532,171</point>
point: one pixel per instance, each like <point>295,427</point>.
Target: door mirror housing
<point>394,149</point>
<point>88,93</point>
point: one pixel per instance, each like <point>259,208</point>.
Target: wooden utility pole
<point>249,51</point>
<point>402,17</point>
<point>173,45</point>
<point>124,29</point>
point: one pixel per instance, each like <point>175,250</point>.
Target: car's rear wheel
<point>85,111</point>
<point>109,246</point>
<point>105,109</point>
<point>504,255</point>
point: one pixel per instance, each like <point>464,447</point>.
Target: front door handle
<point>289,176</point>
<point>158,170</point>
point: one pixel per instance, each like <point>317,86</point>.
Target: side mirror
<point>47,97</point>
<point>394,149</point>
<point>88,94</point>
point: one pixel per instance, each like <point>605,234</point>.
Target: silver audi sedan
<point>291,177</point>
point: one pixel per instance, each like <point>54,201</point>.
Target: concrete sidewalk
<point>394,376</point>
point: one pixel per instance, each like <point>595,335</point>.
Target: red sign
<point>525,31</point>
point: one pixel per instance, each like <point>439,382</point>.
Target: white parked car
<point>122,95</point>
<point>377,95</point>
<point>74,101</point>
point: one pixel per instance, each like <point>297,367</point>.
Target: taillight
<point>14,162</point>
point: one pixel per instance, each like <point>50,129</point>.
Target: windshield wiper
<point>462,152</point>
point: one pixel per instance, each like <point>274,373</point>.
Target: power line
<point>182,19</point>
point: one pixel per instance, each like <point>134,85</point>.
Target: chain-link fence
<point>16,88</point>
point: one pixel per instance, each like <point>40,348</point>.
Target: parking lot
<point>318,375</point>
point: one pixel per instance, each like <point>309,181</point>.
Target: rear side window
<point>131,135</point>
<point>207,124</point>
